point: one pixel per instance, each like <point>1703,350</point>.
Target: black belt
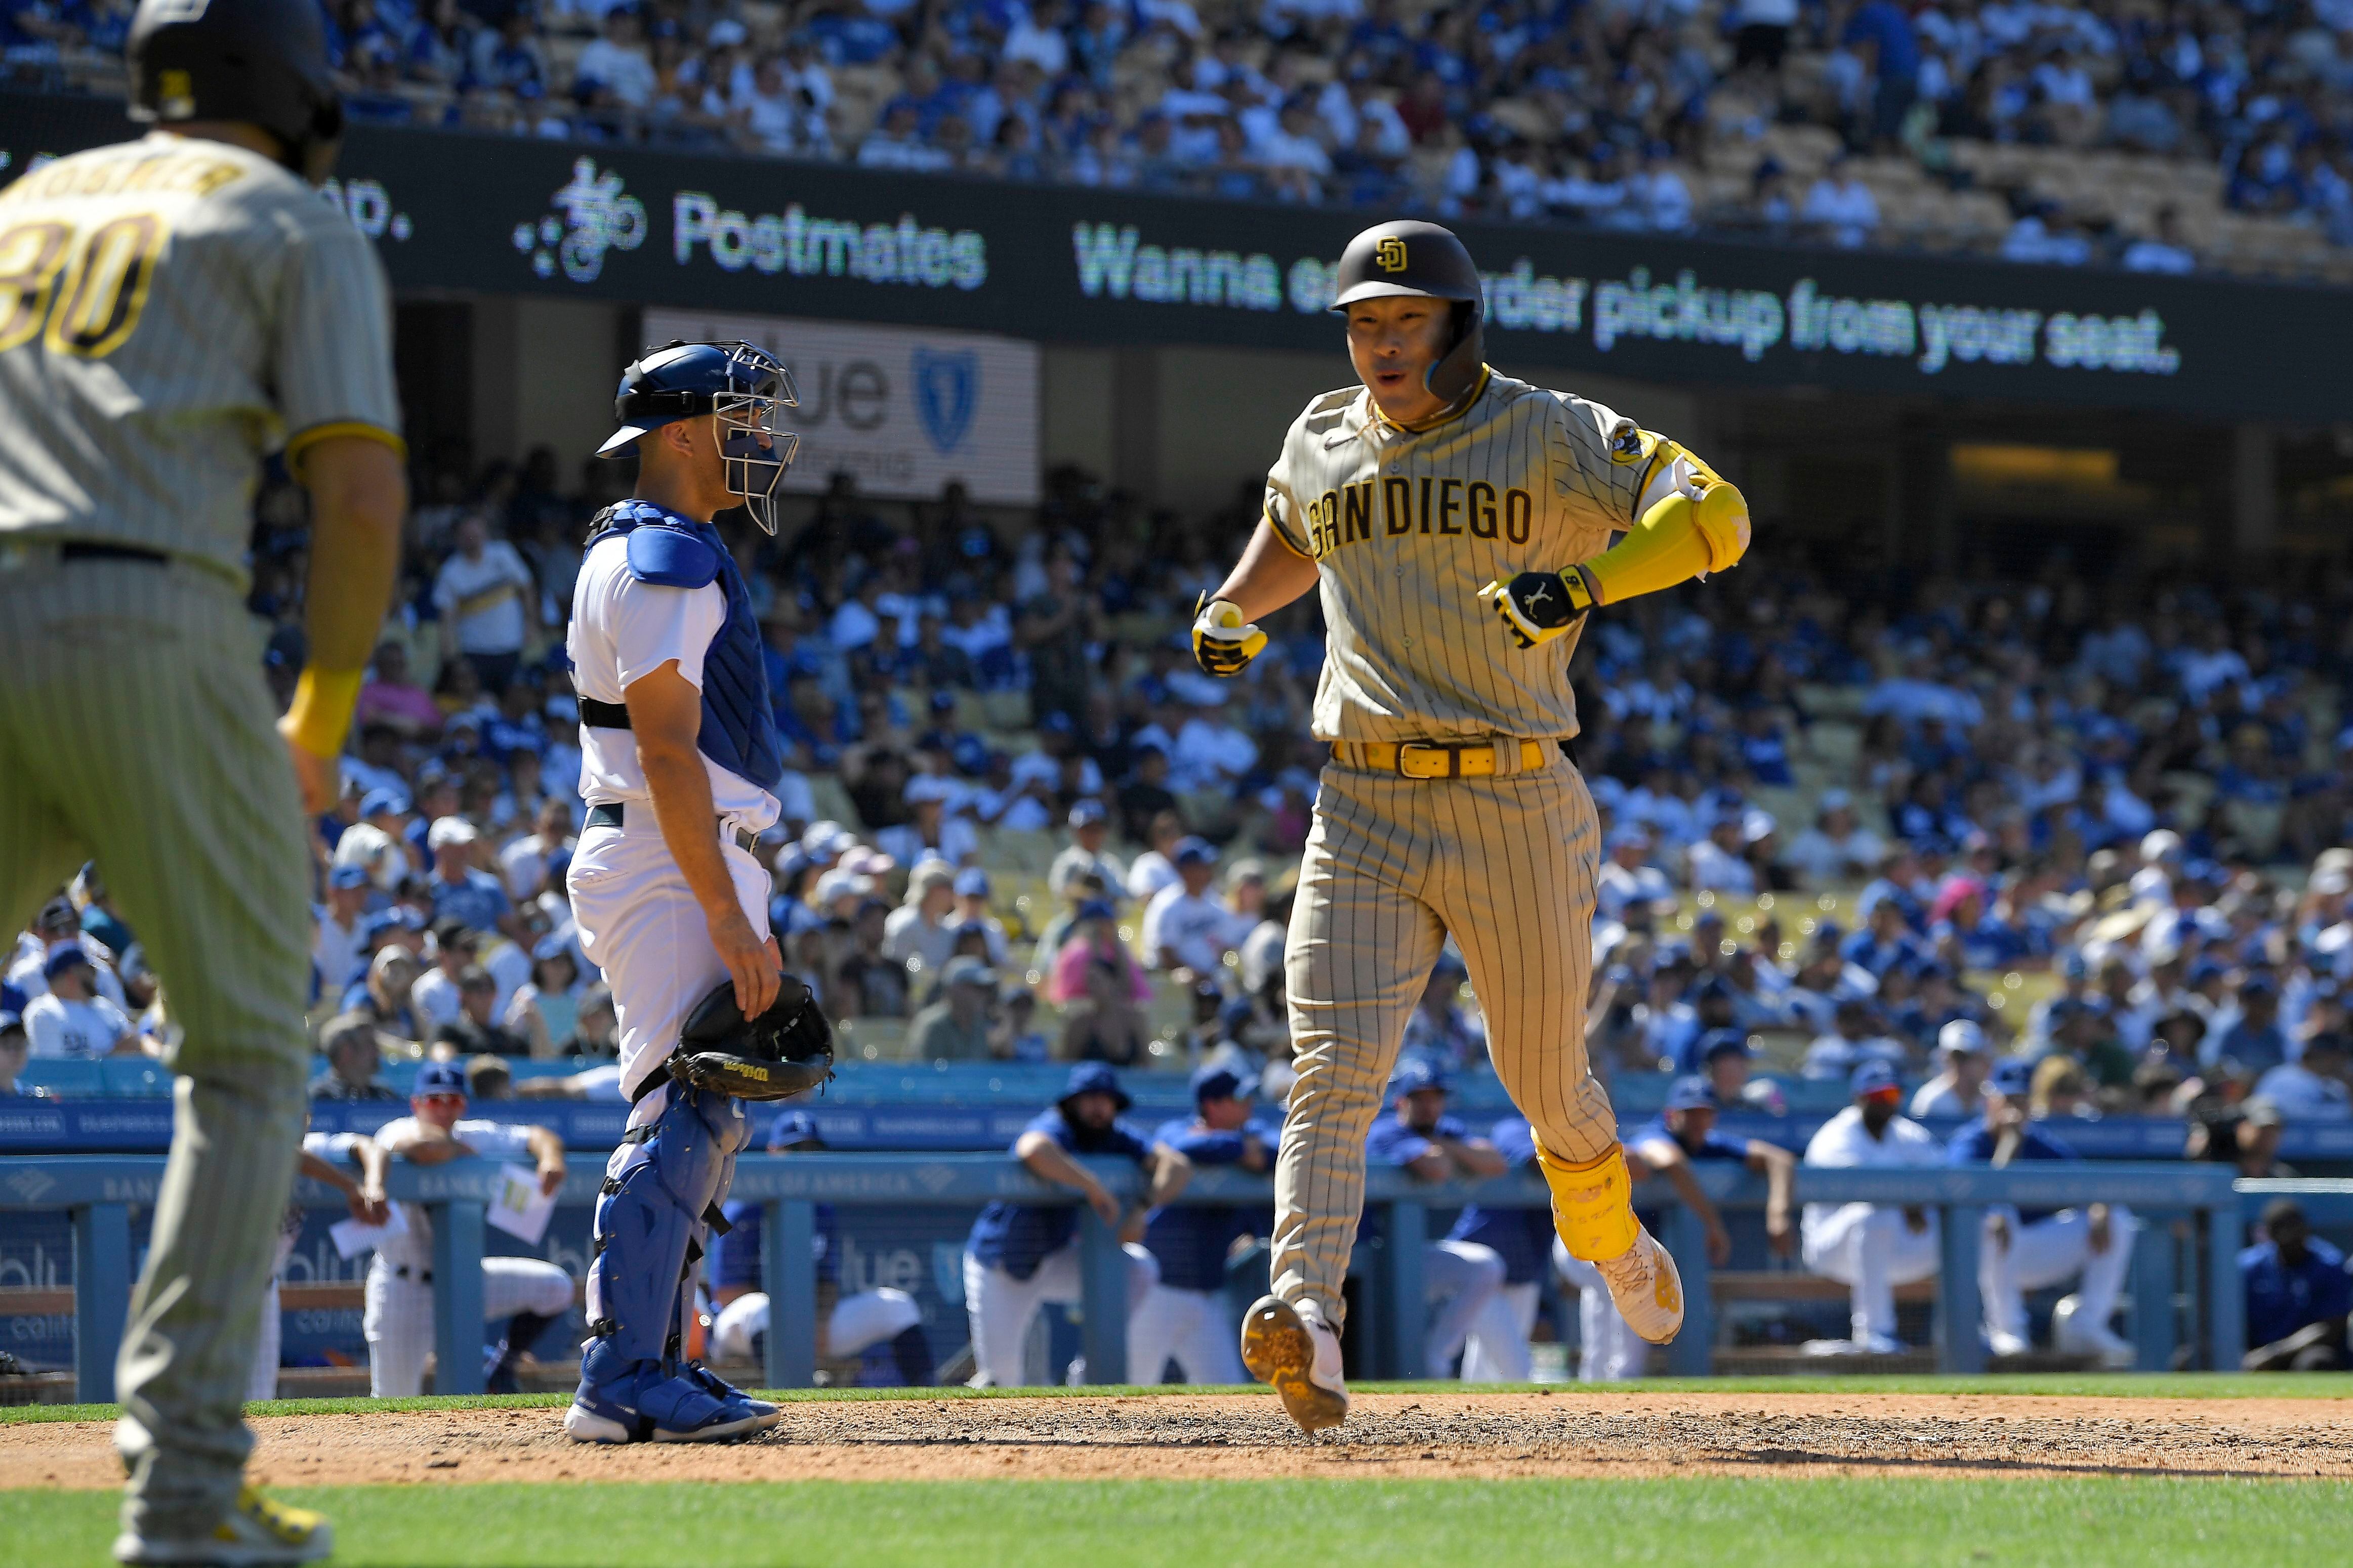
<point>603,715</point>
<point>610,813</point>
<point>422,1276</point>
<point>87,551</point>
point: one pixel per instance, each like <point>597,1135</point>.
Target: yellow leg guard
<point>1592,1204</point>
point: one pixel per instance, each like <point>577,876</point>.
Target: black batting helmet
<point>263,62</point>
<point>1413,258</point>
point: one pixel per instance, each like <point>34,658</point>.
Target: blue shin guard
<point>650,1221</point>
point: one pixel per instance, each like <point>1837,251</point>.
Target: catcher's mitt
<point>786,1050</point>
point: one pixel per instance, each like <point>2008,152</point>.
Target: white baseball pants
<point>263,1384</point>
<point>1459,1279</point>
<point>1002,1308</point>
<point>1869,1249</point>
<point>1497,1350</point>
<point>2051,1251</point>
<point>639,923</point>
<point>1610,1351</point>
<point>399,1318</point>
<point>1191,1326</point>
<point>867,1318</point>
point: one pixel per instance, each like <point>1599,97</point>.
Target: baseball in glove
<point>786,1050</point>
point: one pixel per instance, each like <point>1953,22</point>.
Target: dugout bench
<point>2197,1204</point>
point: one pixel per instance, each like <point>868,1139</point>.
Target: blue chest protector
<point>739,726</point>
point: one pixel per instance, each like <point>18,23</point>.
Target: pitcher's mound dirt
<point>1246,1437</point>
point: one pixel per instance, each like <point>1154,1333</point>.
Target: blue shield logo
<point>948,390</point>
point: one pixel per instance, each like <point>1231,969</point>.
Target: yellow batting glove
<point>1536,608</point>
<point>1223,644</point>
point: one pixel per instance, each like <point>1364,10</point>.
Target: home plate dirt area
<point>1240,1437</point>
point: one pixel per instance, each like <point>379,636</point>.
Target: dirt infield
<point>1244,1437</point>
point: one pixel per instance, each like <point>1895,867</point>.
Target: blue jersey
<point>1016,1236</point>
<point>1392,1143</point>
<point>2281,1300</point>
<point>1974,1146</point>
<point>736,1256</point>
<point>1716,1145</point>
<point>1521,1237</point>
<point>1192,1242</point>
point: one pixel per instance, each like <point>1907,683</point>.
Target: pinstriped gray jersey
<point>171,310</point>
<point>1406,527</point>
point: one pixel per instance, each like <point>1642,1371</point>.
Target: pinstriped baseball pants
<point>135,730</point>
<point>1393,864</point>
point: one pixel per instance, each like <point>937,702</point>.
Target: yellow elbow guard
<point>321,714</point>
<point>1680,538</point>
<point>1592,1204</point>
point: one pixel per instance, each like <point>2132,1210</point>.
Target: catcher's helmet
<point>263,62</point>
<point>743,384</point>
<point>1412,257</point>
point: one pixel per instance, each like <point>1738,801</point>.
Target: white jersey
<point>55,1027</point>
<point>1407,525</point>
<point>1195,926</point>
<point>505,1142</point>
<point>1845,1144</point>
<point>622,630</point>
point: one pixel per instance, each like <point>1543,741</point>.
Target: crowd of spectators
<point>2133,798</point>
<point>1608,112</point>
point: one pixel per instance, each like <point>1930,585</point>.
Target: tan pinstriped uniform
<point>170,310</point>
<point>1404,528</point>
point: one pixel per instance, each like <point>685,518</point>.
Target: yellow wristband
<point>322,713</point>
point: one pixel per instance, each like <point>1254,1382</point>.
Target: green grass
<point>1756,1523</point>
<point>2089,1384</point>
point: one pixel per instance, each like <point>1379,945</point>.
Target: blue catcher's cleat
<point>719,1388</point>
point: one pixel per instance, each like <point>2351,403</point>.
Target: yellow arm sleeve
<point>1689,532</point>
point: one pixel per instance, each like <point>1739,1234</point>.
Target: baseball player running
<point>1427,503</point>
<point>530,1292</point>
<point>679,765</point>
<point>172,309</point>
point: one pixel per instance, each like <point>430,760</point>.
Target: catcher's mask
<point>744,385</point>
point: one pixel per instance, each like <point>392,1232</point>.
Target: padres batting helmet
<point>260,61</point>
<point>1411,258</point>
<point>743,384</point>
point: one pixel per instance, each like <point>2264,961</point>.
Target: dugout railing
<point>2193,1212</point>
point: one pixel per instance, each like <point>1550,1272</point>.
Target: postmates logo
<point>593,216</point>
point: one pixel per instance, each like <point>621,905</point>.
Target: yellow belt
<point>1436,760</point>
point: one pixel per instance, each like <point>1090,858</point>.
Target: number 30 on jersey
<point>82,294</point>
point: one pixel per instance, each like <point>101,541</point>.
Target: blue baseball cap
<point>348,876</point>
<point>551,946</point>
<point>1873,1077</point>
<point>62,957</point>
<point>972,882</point>
<point>1194,852</point>
<point>1086,813</point>
<point>1689,1094</point>
<point>439,1078</point>
<point>1724,1043</point>
<point>1415,1074</point>
<point>1096,909</point>
<point>792,1127</point>
<point>1094,1078</point>
<point>378,801</point>
<point>1216,1082</point>
<point>2011,1077</point>
<point>1715,987</point>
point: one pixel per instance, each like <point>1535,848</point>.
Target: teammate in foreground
<point>1428,503</point>
<point>171,309</point>
<point>680,764</point>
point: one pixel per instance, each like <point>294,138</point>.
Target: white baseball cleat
<point>2079,1338</point>
<point>1297,1352</point>
<point>2000,1343</point>
<point>257,1533</point>
<point>1646,1287</point>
